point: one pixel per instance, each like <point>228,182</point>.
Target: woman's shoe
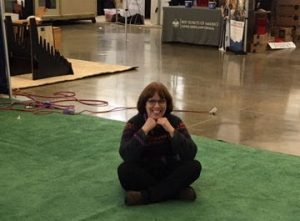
<point>187,194</point>
<point>133,198</point>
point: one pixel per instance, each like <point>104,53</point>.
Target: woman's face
<point>156,107</point>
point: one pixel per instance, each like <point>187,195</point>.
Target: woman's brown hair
<point>149,91</point>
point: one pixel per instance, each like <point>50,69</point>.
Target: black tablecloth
<point>192,25</point>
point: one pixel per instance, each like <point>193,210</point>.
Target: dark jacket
<point>157,144</point>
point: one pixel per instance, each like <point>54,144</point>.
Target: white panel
<point>154,17</point>
<point>135,7</point>
<point>72,7</point>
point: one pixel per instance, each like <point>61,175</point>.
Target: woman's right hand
<point>149,125</point>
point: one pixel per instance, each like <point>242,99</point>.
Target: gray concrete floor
<point>257,95</point>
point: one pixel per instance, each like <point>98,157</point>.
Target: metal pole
<point>7,69</point>
<point>159,12</point>
<point>246,25</point>
<point>126,11</point>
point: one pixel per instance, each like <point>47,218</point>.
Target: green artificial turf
<point>62,167</point>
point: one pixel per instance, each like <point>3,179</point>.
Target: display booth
<point>4,63</point>
<point>197,25</point>
<point>205,24</point>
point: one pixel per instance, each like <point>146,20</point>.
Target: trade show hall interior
<point>257,95</point>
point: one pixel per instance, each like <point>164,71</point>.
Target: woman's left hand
<point>164,122</point>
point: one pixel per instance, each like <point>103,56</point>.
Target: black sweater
<point>157,144</point>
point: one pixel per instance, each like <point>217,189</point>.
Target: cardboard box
<point>296,39</point>
<point>284,33</point>
<point>40,11</point>
<point>296,36</point>
<point>259,43</point>
<point>57,37</point>
<point>258,48</point>
<point>288,10</point>
<point>288,2</point>
<point>261,39</point>
<point>288,20</point>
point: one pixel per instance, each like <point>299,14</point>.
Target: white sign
<point>236,30</point>
<point>282,45</point>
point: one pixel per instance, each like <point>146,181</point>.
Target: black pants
<point>158,181</point>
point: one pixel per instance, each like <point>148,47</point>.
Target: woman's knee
<point>124,173</point>
<point>194,168</point>
<point>125,169</point>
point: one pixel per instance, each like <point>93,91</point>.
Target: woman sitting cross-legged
<point>158,152</point>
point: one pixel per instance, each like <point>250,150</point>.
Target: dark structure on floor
<point>29,53</point>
